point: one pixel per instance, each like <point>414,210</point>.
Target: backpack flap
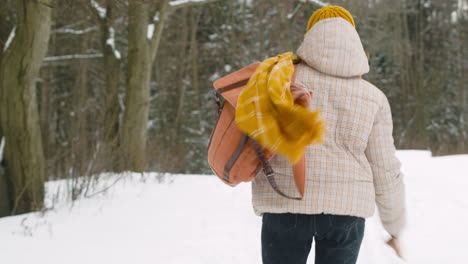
<point>232,84</point>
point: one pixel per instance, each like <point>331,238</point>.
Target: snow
<point>150,32</point>
<point>248,2</point>
<point>177,219</point>
<point>183,2</point>
<point>427,4</point>
<point>73,56</point>
<point>214,77</point>
<point>101,10</point>
<point>111,42</point>
<point>75,32</point>
<point>293,13</point>
<point>2,147</point>
<point>454,17</point>
<point>156,17</point>
<point>213,36</point>
<point>10,38</point>
<point>318,2</point>
<point>462,5</point>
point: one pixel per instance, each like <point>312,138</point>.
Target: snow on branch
<point>10,38</point>
<point>74,56</point>
<point>111,42</point>
<point>184,3</point>
<point>75,32</point>
<point>151,27</point>
<point>150,32</point>
<point>2,146</point>
<point>99,9</point>
<point>317,2</point>
<point>156,17</point>
<point>293,13</point>
<point>454,17</point>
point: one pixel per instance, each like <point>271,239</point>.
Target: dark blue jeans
<point>287,238</point>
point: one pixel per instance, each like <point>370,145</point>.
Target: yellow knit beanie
<point>329,12</point>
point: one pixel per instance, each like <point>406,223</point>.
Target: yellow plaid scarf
<point>266,111</point>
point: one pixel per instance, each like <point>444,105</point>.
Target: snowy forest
<point>112,85</point>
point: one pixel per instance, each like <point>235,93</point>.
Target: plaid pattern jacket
<point>356,167</point>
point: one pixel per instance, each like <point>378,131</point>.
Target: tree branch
<point>294,12</point>
<point>45,3</point>
<point>156,38</point>
<point>71,57</point>
<point>187,3</point>
<point>317,2</point>
<point>99,11</point>
<point>2,145</point>
<point>75,31</point>
<point>160,17</point>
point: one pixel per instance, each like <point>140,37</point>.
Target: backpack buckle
<point>269,172</point>
<point>218,101</point>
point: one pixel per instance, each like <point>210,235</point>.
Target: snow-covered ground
<point>190,219</point>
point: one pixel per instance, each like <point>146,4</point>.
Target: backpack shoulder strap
<point>270,173</point>
<point>299,169</point>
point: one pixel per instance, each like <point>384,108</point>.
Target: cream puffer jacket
<point>356,167</point>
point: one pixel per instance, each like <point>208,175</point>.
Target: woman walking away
<point>355,167</point>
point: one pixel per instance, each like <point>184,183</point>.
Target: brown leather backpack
<point>232,155</point>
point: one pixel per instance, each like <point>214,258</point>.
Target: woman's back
<point>356,166</point>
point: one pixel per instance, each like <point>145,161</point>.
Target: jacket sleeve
<point>388,179</point>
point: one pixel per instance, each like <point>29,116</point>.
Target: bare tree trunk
<point>44,112</point>
<point>79,139</point>
<point>420,114</point>
<point>462,84</point>
<point>5,202</point>
<point>405,53</point>
<point>45,94</point>
<point>134,125</point>
<point>413,73</point>
<point>194,19</point>
<point>184,37</point>
<point>24,157</point>
<point>107,156</point>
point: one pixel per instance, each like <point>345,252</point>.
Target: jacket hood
<point>332,46</point>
